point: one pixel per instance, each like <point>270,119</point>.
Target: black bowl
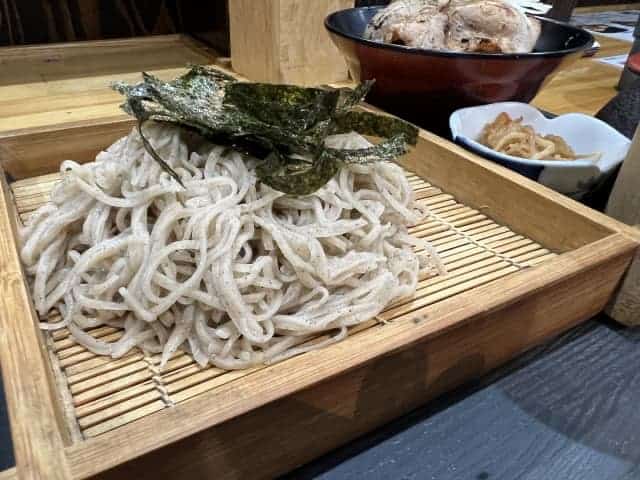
<point>426,86</point>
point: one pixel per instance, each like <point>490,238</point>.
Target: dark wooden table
<point>566,411</point>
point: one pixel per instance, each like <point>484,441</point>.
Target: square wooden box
<point>525,264</point>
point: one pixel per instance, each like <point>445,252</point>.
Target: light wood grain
<point>488,303</point>
<point>34,410</point>
<point>57,61</point>
<point>55,84</point>
<point>606,7</point>
<point>585,86</point>
<point>307,54</point>
<point>253,28</point>
<point>284,41</point>
<point>39,151</point>
<point>526,206</point>
<point>594,269</point>
<point>230,398</point>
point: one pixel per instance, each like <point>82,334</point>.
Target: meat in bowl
<point>485,26</point>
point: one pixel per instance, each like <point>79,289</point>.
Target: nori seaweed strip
<point>275,123</point>
<point>297,177</point>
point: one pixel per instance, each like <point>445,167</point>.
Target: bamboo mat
<point>101,394</point>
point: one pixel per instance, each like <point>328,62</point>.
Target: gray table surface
<point>569,410</point>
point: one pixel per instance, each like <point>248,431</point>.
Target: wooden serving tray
<point>47,85</point>
<point>524,265</point>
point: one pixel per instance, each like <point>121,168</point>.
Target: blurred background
<point>45,21</point>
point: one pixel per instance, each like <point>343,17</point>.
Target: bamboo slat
<point>108,393</point>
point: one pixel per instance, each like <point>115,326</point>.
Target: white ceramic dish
<point>583,133</point>
<point>534,7</point>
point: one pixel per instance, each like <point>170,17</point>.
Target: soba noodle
<point>232,271</point>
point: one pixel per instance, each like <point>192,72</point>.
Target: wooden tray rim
<point>35,447</point>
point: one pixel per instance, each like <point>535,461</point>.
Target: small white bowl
<point>583,133</point>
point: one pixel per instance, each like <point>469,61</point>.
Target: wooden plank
<point>344,407</point>
<point>254,38</point>
<point>597,266</point>
<point>284,41</point>
<point>34,408</point>
<point>308,56</point>
<point>25,57</point>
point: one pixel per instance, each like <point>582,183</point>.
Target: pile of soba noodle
<point>228,269</point>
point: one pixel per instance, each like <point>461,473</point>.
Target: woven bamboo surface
<point>101,394</point>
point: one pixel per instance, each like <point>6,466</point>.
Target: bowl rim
<point>485,151</point>
<point>328,23</point>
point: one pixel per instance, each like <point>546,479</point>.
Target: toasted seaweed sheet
<point>284,126</point>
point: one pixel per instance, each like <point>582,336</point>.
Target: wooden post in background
<point>562,9</point>
<point>284,41</point>
<point>624,205</point>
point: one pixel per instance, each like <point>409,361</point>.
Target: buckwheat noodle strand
<point>228,269</point>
